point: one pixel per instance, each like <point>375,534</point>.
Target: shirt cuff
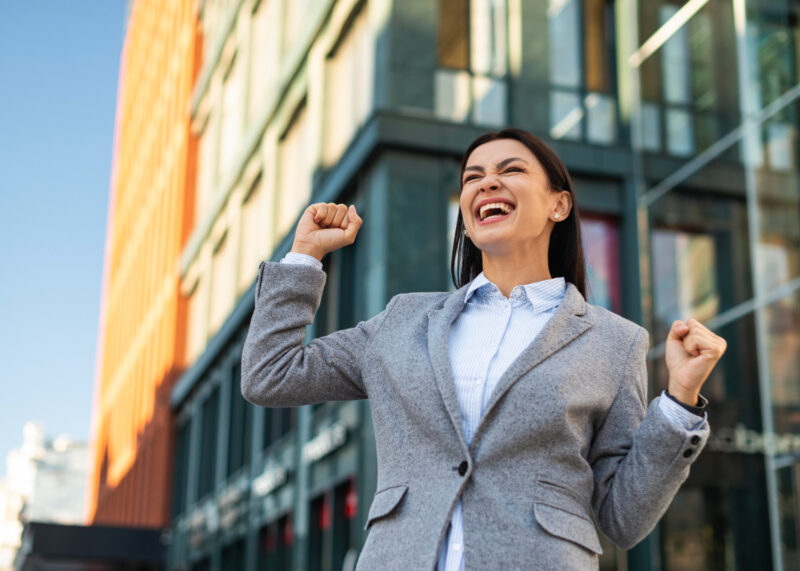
<point>301,260</point>
<point>679,415</point>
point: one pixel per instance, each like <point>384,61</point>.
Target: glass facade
<point>679,124</point>
<point>714,114</point>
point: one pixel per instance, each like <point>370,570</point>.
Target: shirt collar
<point>543,294</point>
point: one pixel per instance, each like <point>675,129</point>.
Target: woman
<point>510,415</point>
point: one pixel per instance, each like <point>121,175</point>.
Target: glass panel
<point>690,80</point>
<point>699,256</point>
<point>651,127</point>
<point>773,48</point>
<point>601,249</point>
<point>345,511</point>
<point>255,239</point>
<point>680,139</point>
<point>564,42</point>
<point>779,206</point>
<point>789,508</point>
<point>295,167</point>
<point>489,101</point>
<point>566,115</point>
<point>231,106</point>
<point>233,557</point>
<point>208,444</point>
<point>601,118</point>
<point>453,34</point>
<point>488,37</point>
<point>222,282</point>
<point>264,58</point>
<point>348,85</point>
<point>181,469</point>
<point>452,95</point>
<point>783,326</point>
<point>239,436</point>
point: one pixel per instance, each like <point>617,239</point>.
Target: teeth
<point>502,206</point>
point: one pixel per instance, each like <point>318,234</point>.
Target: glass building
<point>679,123</point>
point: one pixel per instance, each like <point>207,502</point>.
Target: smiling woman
<point>518,170</point>
<point>510,415</point>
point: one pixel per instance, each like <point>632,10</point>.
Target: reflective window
<point>582,104</point>
<point>208,444</point>
<point>349,73</point>
<point>295,166</point>
<point>601,250</point>
<point>472,61</point>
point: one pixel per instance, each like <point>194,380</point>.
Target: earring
<point>465,233</point>
<point>556,216</point>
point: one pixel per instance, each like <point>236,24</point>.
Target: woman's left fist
<point>692,351</point>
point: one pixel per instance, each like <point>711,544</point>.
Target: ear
<point>562,206</point>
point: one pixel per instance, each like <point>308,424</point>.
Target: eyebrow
<point>499,165</point>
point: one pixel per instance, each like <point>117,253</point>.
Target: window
<point>206,166</point>
<point>264,57</point>
<point>582,105</point>
<point>208,444</point>
<point>275,545</point>
<point>231,106</point>
<point>233,556</point>
<point>294,170</point>
<point>181,469</point>
<point>601,250</point>
<point>198,320</point>
<point>221,282</point>
<point>345,509</point>
<point>255,238</point>
<point>348,84</point>
<point>278,422</point>
<point>319,524</point>
<point>472,61</point>
<point>239,435</point>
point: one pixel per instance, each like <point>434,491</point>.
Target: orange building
<point>141,332</point>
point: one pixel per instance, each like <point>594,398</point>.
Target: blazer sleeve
<point>639,457</point>
<point>277,369</point>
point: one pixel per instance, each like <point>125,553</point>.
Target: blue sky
<point>58,70</point>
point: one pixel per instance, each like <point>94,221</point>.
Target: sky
<point>59,64</point>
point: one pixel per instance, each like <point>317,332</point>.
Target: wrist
<point>690,398</point>
<point>307,249</point>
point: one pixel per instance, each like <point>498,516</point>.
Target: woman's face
<point>506,201</point>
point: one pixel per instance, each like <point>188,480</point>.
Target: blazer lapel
<point>567,323</point>
<point>439,323</point>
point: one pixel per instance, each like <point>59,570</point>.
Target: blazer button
<point>695,440</point>
<point>462,468</point>
<point>688,453</point>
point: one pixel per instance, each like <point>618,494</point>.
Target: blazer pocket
<point>560,513</point>
<point>384,502</point>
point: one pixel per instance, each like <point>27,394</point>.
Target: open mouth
<point>494,210</point>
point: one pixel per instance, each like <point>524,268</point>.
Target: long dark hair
<point>565,252</point>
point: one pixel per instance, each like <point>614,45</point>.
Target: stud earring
<point>556,216</point>
<point>465,232</point>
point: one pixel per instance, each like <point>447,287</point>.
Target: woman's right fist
<point>324,228</point>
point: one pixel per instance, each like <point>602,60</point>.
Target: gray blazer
<point>567,443</point>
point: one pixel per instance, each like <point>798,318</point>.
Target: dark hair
<point>565,251</point>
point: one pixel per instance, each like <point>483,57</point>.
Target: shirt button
<point>462,468</point>
<point>688,453</point>
<point>457,547</point>
<point>695,440</point>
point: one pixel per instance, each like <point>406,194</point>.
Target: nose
<point>489,183</point>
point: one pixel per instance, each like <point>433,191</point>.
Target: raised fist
<point>324,228</point>
<point>692,352</point>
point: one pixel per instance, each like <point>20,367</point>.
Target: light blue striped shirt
<point>485,339</point>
